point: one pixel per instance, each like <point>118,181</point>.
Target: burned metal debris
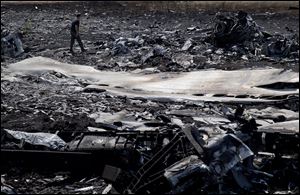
<point>239,34</point>
<point>150,121</point>
<point>235,29</point>
<point>140,143</point>
<point>225,41</point>
<point>185,159</point>
<point>11,45</point>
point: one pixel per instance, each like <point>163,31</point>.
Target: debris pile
<point>150,122</point>
<point>235,156</point>
<point>235,29</point>
<point>78,120</point>
<point>224,41</point>
<point>238,34</point>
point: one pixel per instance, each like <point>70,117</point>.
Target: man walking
<point>75,34</point>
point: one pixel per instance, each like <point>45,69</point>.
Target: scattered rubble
<point>154,162</point>
<point>153,123</point>
<point>224,140</point>
<point>126,43</point>
<point>239,34</point>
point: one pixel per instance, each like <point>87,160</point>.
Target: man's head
<point>78,16</point>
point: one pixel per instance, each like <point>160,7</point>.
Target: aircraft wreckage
<point>259,85</point>
<point>232,151</point>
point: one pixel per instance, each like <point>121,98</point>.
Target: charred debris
<point>178,159</point>
<point>233,150</point>
<point>229,37</point>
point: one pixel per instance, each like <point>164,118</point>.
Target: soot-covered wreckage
<point>239,33</point>
<point>11,43</point>
<point>177,133</point>
<point>213,147</point>
<point>179,159</point>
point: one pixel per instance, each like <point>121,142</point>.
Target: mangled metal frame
<point>169,165</point>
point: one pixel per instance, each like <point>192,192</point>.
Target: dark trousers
<point>73,38</point>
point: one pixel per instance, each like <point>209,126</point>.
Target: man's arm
<point>77,30</point>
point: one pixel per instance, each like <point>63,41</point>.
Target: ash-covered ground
<point>102,25</point>
<point>54,102</point>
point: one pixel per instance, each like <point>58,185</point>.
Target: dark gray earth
<point>101,26</point>
<point>43,103</point>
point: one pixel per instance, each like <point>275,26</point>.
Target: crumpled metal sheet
<point>288,127</point>
<point>185,168</point>
<point>49,140</point>
<point>91,142</point>
<point>226,150</point>
<point>281,46</point>
<point>232,29</point>
<point>273,113</point>
<point>240,30</point>
<point>213,85</point>
<point>11,45</point>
